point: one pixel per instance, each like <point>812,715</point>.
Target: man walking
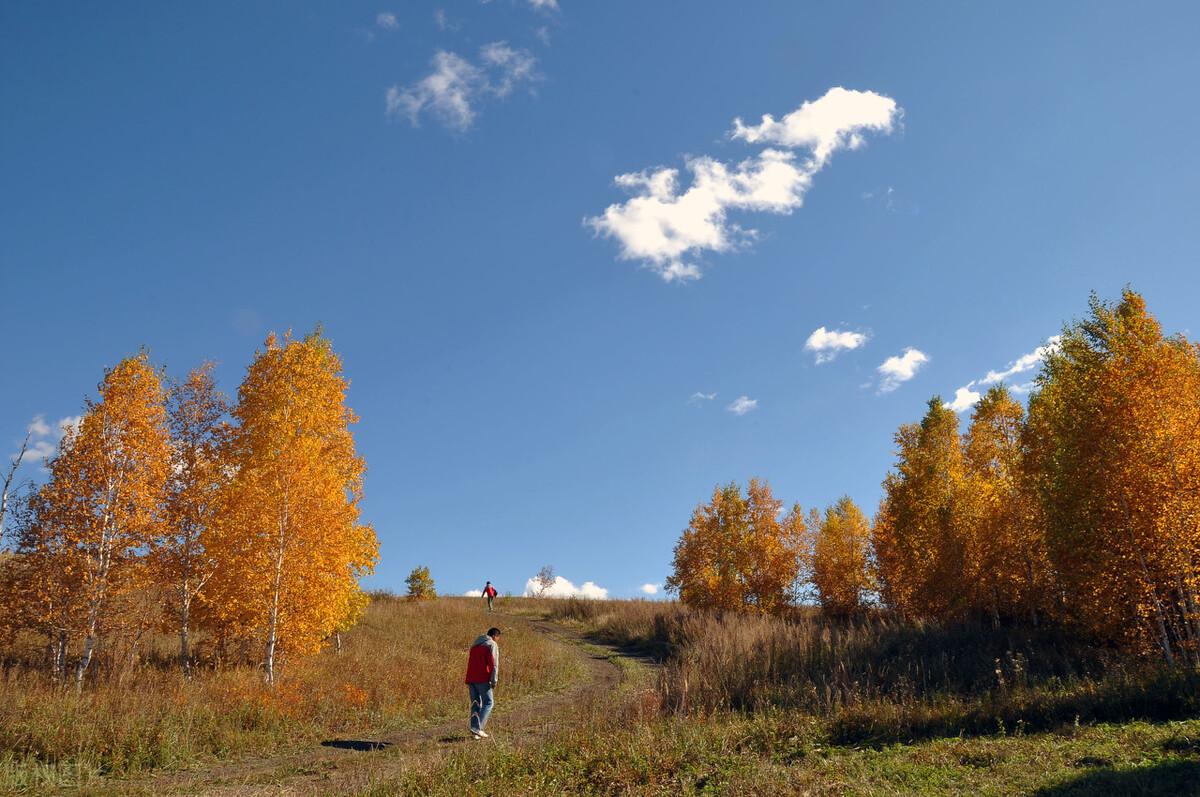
<point>483,663</point>
<point>489,592</point>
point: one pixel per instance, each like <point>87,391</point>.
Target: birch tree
<point>197,413</point>
<point>839,557</point>
<point>738,554</point>
<point>91,524</point>
<point>921,541</point>
<point>290,548</point>
<point>1007,537</point>
<point>1115,429</point>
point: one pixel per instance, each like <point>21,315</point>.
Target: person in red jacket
<point>483,664</point>
<point>489,592</point>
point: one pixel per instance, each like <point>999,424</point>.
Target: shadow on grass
<point>358,745</point>
<point>1168,779</point>
<point>1152,695</point>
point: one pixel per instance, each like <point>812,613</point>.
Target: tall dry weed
<point>875,677</point>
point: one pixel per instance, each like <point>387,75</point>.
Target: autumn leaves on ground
<point>1020,615</point>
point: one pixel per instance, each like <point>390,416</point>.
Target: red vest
<point>480,665</point>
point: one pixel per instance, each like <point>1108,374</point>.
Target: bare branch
<point>12,472</point>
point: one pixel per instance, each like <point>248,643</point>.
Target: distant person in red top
<point>489,592</point>
<point>483,664</point>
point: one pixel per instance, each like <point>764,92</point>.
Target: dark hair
<point>493,632</point>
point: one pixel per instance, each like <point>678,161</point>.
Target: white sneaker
<point>476,734</point>
<point>482,735</point>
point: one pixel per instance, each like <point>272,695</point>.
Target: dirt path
<point>358,764</point>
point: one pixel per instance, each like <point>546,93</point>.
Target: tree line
<point>170,507</point>
<point>1081,509</point>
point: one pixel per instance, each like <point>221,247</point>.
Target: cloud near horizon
<point>965,397</point>
<point>827,345</point>
<point>666,228</point>
<point>650,589</point>
<point>456,87</point>
<point>899,369</point>
<point>561,588</point>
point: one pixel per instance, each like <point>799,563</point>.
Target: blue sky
<point>576,277</point>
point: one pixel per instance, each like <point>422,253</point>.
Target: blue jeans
<point>481,704</point>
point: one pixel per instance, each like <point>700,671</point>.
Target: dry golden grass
<point>739,705</point>
<point>400,667</point>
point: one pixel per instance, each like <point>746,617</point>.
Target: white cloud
<point>965,398</point>
<point>44,438</point>
<point>835,121</point>
<point>443,22</point>
<point>473,593</point>
<point>1025,363</point>
<point>540,5</point>
<point>742,404</point>
<point>561,588</point>
<point>900,369</point>
<point>827,345</point>
<point>667,228</point>
<point>661,226</point>
<point>456,86</point>
<point>543,34</point>
<point>696,398</point>
<point>650,589</point>
<point>515,66</point>
<point>388,20</point>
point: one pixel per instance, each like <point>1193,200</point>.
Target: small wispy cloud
<point>897,370</point>
<point>699,398</point>
<point>741,405</point>
<point>650,589</point>
<point>473,593</point>
<point>388,21</point>
<point>543,34</point>
<point>454,89</point>
<point>44,439</point>
<point>965,397</point>
<point>540,5</point>
<point>444,22</point>
<point>561,588</point>
<point>512,67</point>
<point>1026,363</point>
<point>667,227</point>
<point>887,196</point>
<point>827,345</point>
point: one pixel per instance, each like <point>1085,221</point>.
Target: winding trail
<point>357,765</point>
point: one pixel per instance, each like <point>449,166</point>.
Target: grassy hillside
<point>706,704</point>
<point>401,666</point>
<point>748,705</point>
